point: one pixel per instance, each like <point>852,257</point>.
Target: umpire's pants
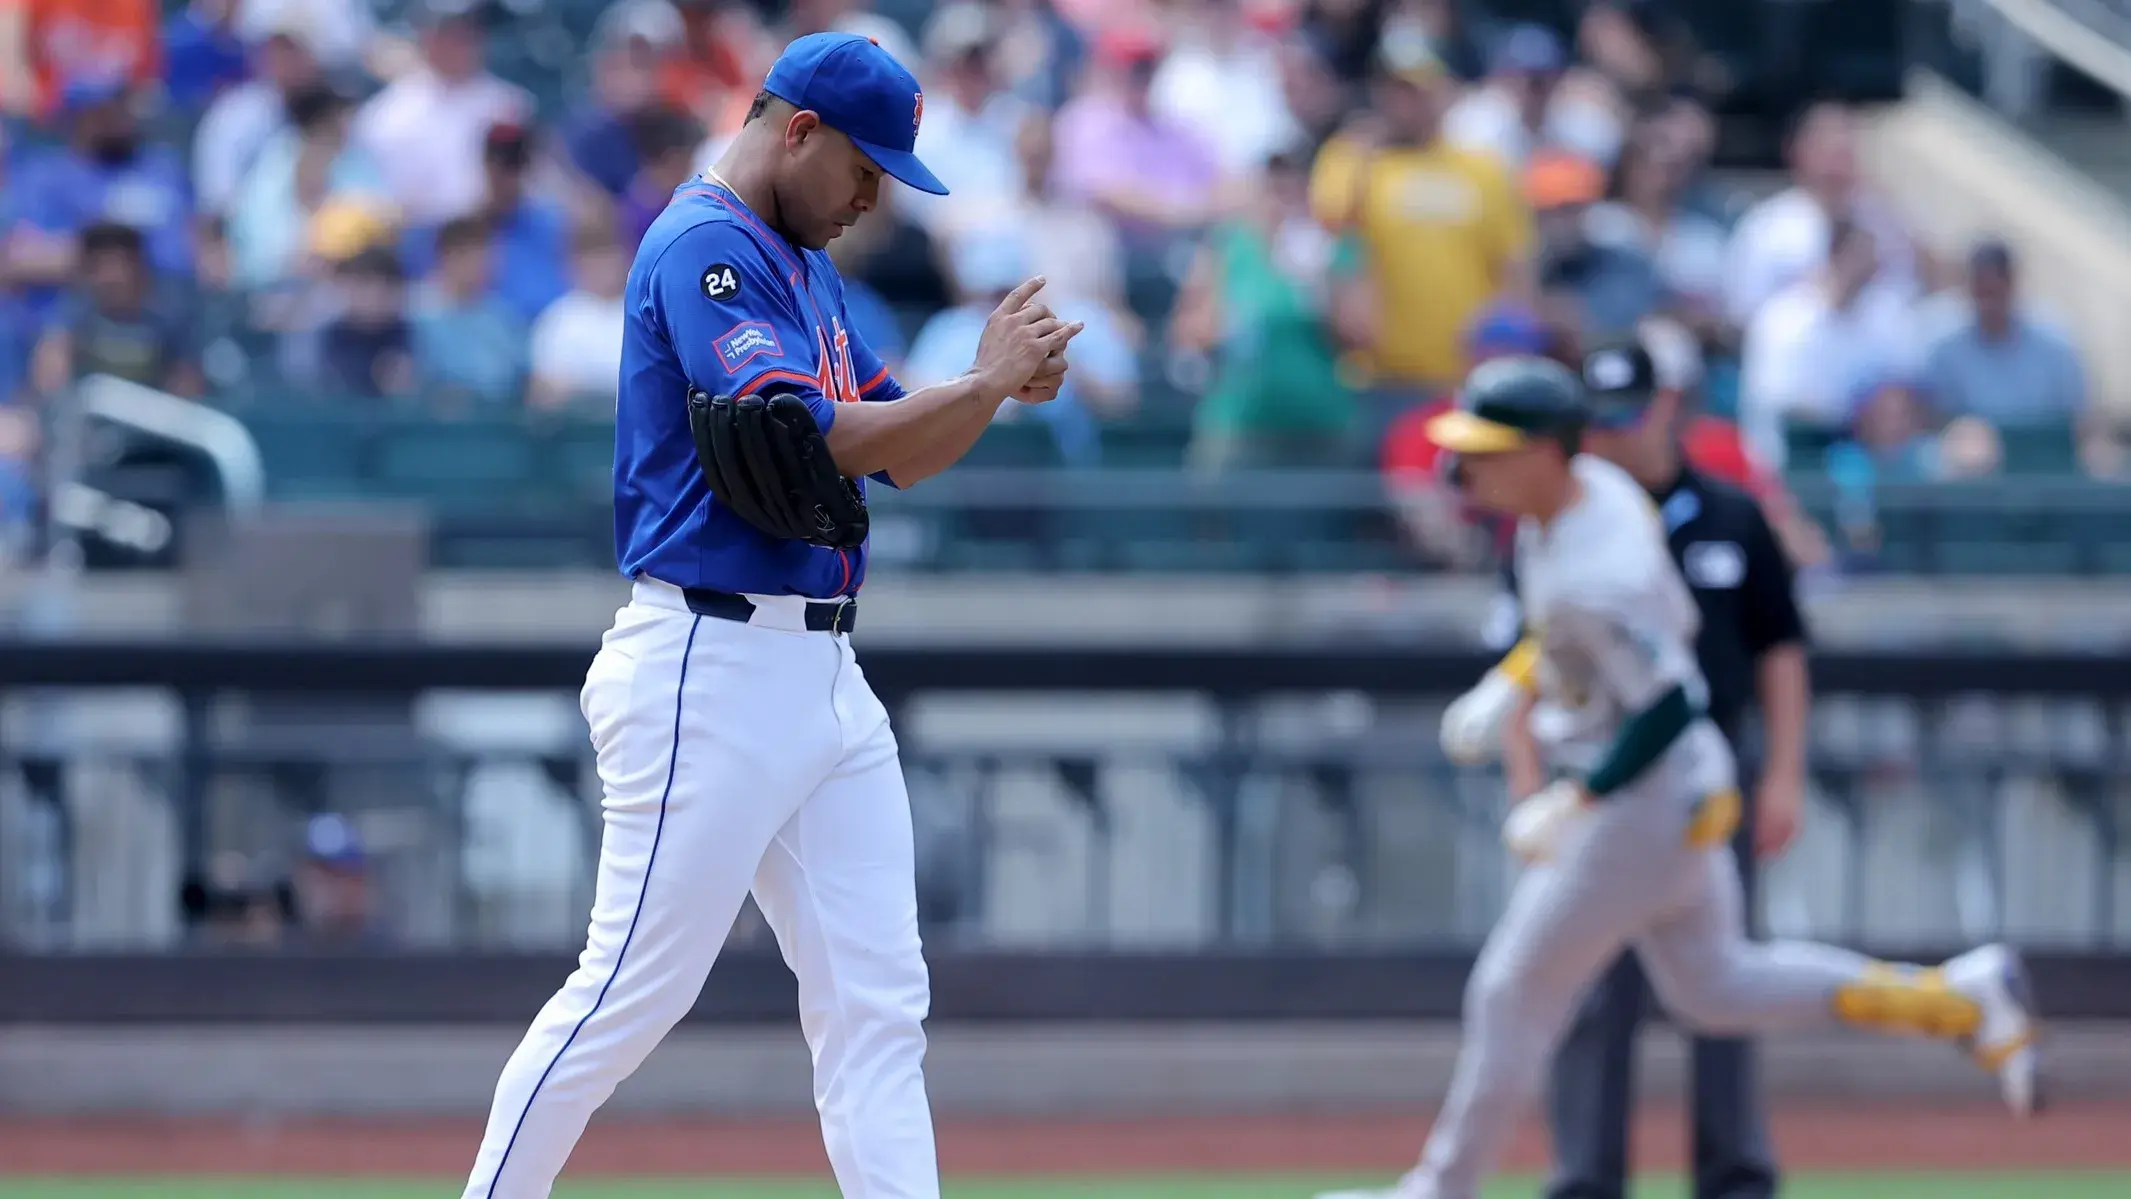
<point>1592,1090</point>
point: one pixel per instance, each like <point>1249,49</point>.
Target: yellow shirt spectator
<point>1443,231</point>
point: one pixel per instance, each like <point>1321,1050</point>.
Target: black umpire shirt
<point>1741,580</point>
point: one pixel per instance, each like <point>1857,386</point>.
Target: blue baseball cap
<point>859,90</point>
<point>1530,50</point>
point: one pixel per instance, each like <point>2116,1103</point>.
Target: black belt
<point>822,616</point>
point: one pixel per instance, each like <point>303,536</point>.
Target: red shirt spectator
<point>72,39</point>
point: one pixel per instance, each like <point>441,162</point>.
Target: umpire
<point>1751,646</point>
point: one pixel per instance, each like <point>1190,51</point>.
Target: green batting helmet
<point>1507,403</point>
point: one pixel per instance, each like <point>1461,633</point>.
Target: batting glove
<point>1538,823</point>
<point>1472,725</point>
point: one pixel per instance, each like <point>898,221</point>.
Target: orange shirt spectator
<point>44,43</point>
<point>718,69</point>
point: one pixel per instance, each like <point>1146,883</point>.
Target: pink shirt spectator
<point>1114,151</point>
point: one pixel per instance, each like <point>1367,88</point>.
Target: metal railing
<point>1222,811</point>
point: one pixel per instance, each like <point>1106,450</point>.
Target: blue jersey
<point>718,300</point>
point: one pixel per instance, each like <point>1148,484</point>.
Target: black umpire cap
<point>1619,380</point>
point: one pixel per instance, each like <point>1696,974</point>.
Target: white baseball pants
<point>736,757</point>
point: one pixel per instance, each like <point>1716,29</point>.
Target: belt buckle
<point>836,618</point>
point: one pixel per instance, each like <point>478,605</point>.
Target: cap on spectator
<point>1506,328</point>
<point>331,840</point>
<point>294,25</point>
<point>343,228</point>
<point>1991,254</point>
<point>1129,45</point>
<point>1557,180</point>
<point>1409,56</point>
<point>1879,382</point>
<point>1530,50</point>
<point>90,90</point>
<point>507,143</point>
<point>859,90</point>
<point>957,31</point>
<point>653,22</point>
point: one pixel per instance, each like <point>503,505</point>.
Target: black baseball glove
<point>766,459</point>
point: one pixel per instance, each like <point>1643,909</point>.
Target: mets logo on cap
<point>917,113</point>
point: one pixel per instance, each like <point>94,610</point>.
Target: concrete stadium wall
<point>1000,1070</point>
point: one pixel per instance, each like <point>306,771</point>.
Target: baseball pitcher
<point>739,746</point>
<point>1627,848</point>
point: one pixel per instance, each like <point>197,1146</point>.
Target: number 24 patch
<point>720,281</point>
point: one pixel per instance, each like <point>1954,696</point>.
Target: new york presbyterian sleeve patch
<point>747,341</point>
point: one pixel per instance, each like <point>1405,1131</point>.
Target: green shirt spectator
<point>1262,297</point>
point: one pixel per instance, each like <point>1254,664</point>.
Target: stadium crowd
<point>1308,217</point>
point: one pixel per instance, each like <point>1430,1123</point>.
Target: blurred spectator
<point>426,128</point>
<point>1599,289</point>
<point>202,53</point>
<point>237,905</point>
<point>1443,230</point>
<point>628,46</point>
<point>469,346</point>
<point>2000,365</point>
<point>1214,82</point>
<point>1318,98</point>
<point>1154,177</point>
<point>530,261</point>
<point>113,324</point>
<point>108,172</point>
<point>1040,53</point>
<point>1619,38</point>
<point>967,132</point>
<point>1812,344</point>
<point>1522,107</point>
<point>723,56</point>
<point>576,346</point>
<point>1273,298</point>
<point>1105,377</point>
<point>21,439</point>
<point>341,34</point>
<point>1344,33</point>
<point>335,900</point>
<point>1645,213</point>
<point>1783,238</point>
<point>297,173</point>
<point>366,347</point>
<point>1889,439</point>
<point>244,119</point>
<point>221,311</point>
<point>665,142</point>
<point>1443,24</point>
<point>1068,242</point>
<point>47,45</point>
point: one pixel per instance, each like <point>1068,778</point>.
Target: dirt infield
<point>1820,1137</point>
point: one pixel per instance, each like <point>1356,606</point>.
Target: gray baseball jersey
<point>1616,627</point>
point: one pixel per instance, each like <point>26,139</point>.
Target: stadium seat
<point>2039,449</point>
<point>581,456</point>
<point>480,462</point>
<point>1014,443</point>
<point>311,453</point>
